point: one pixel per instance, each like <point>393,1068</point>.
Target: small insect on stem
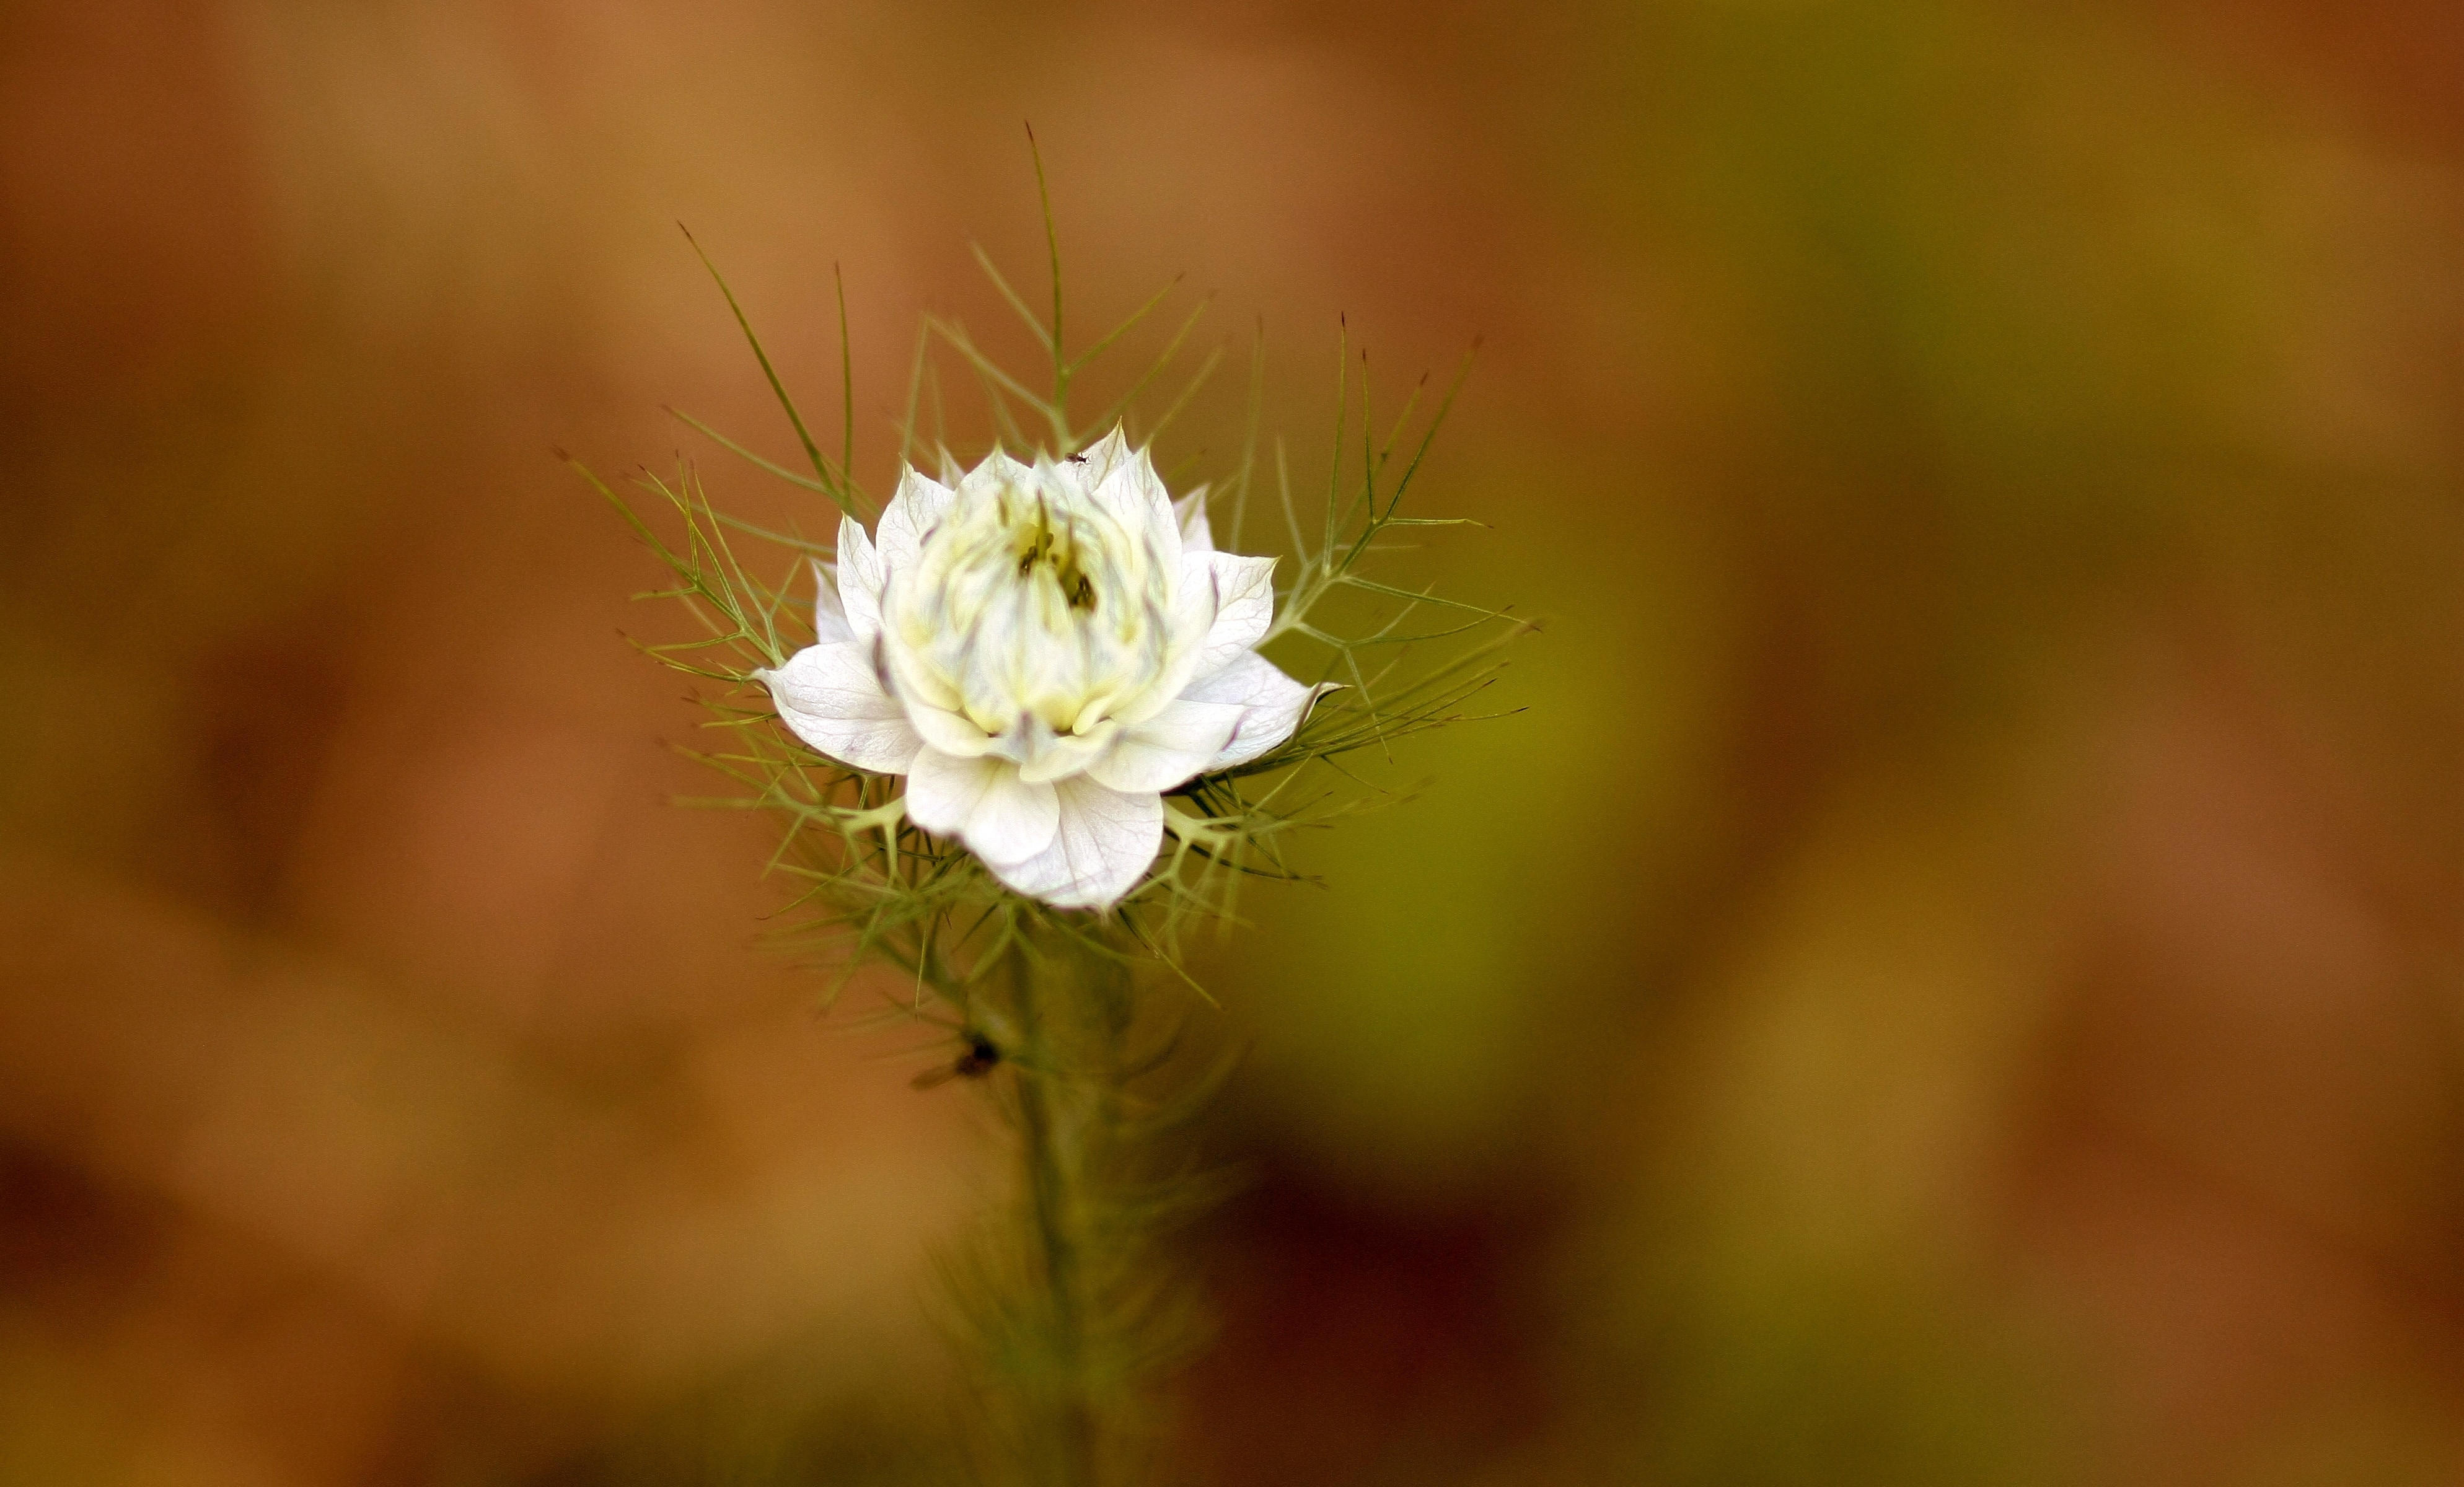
<point>980,1054</point>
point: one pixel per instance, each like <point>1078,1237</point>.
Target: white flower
<point>1042,651</point>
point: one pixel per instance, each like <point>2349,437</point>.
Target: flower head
<point>1041,650</point>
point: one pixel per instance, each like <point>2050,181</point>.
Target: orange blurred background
<point>1954,978</point>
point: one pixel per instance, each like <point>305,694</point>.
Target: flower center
<point>1041,548</point>
<point>1030,602</point>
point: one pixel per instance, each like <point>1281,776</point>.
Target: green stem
<point>1053,1157</point>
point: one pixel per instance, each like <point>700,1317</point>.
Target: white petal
<point>942,789</point>
<point>1192,621</point>
<point>916,509</point>
<point>860,576</point>
<point>1167,748</point>
<point>1058,758</point>
<point>1275,705</point>
<point>833,700</point>
<point>1197,535</point>
<point>1151,489</point>
<point>982,803</point>
<point>1015,820</point>
<point>1245,606</point>
<point>1023,740</point>
<point>1105,841</point>
<point>829,615</point>
<point>1162,525</point>
<point>951,732</point>
<point>1083,471</point>
<point>1102,457</point>
<point>998,469</point>
<point>1124,497</point>
<point>914,679</point>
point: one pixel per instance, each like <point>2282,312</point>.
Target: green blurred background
<point>1954,978</point>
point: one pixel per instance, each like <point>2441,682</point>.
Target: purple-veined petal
<point>1178,742</point>
<point>829,614</point>
<point>1089,468</point>
<point>1150,490</point>
<point>997,469</point>
<point>1103,456</point>
<point>831,698</point>
<point>942,789</point>
<point>951,732</point>
<point>1013,820</point>
<point>1142,513</point>
<point>913,681</point>
<point>860,578</point>
<point>1245,606</point>
<point>1191,621</point>
<point>1155,504</point>
<point>1273,703</point>
<point>915,508</point>
<point>982,803</point>
<point>1060,756</point>
<point>1105,842</point>
<point>1197,535</point>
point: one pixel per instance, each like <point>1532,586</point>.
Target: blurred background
<point>1954,978</point>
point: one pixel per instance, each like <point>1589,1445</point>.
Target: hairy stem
<point>1054,1159</point>
<point>1084,1310</point>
